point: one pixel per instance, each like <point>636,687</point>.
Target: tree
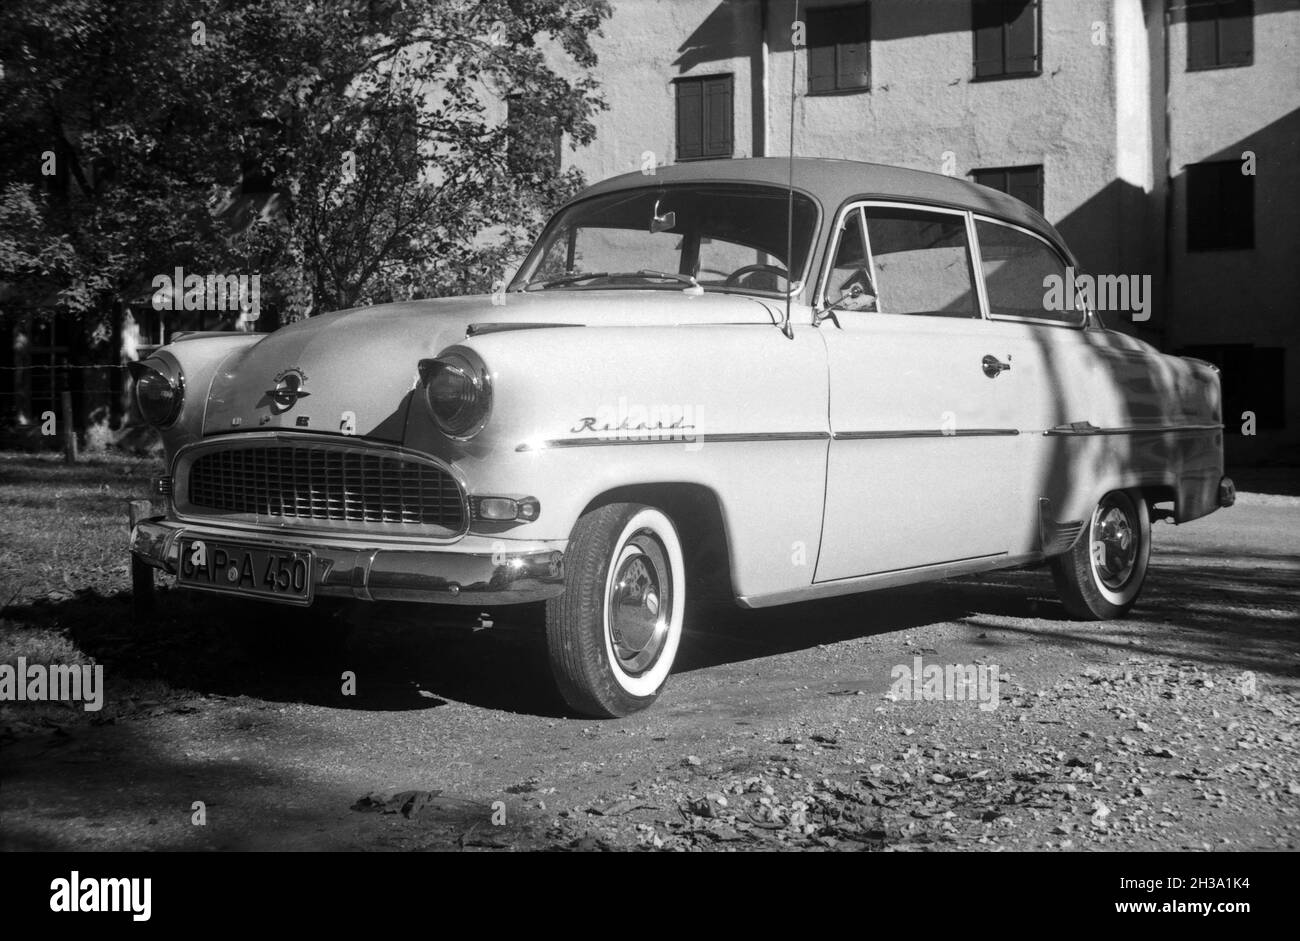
<point>109,157</point>
<point>406,172</point>
<point>348,150</point>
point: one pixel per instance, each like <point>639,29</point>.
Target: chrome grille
<point>325,483</point>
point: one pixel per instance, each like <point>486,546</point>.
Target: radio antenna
<point>786,327</point>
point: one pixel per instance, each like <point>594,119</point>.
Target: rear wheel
<point>612,636</point>
<point>1102,576</point>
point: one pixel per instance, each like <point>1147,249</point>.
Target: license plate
<point>282,575</point>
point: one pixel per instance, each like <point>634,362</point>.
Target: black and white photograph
<point>651,426</point>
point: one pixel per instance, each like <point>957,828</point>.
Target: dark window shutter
<point>1238,210</point>
<point>1202,35</point>
<point>1220,33</point>
<point>839,48</point>
<point>1203,199</point>
<point>1007,40</point>
<point>853,68</point>
<point>1026,185</point>
<point>704,118</point>
<point>822,39</point>
<point>1236,33</point>
<point>821,68</point>
<point>987,16</point>
<point>690,120</point>
<point>1220,207</point>
<point>1022,35</point>
<point>717,112</point>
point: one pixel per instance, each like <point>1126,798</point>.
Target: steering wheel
<point>735,277</point>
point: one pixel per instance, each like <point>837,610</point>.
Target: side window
<point>851,267</point>
<point>922,262</point>
<point>1017,268</point>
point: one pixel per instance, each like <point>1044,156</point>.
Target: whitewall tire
<point>614,633</point>
<point>1102,575</point>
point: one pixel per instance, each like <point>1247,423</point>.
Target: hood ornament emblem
<point>289,388</point>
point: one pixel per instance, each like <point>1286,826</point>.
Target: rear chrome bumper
<point>354,570</point>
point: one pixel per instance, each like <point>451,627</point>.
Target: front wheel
<point>1101,577</point>
<point>612,636</point>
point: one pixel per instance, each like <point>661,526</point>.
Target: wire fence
<point>63,367</point>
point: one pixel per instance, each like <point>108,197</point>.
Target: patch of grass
<point>63,528</point>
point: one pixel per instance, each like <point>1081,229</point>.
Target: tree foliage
<point>350,151</point>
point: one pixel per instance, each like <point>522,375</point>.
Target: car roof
<point>835,182</point>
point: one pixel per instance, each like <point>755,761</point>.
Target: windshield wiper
<point>613,275</point>
<point>567,279</point>
<point>651,273</point>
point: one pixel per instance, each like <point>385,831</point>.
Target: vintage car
<point>781,380</point>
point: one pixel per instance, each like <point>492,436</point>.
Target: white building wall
<point>1113,119</point>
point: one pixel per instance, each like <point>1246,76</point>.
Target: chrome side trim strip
<point>1087,430</point>
<point>925,433</point>
<point>726,438</point>
<point>737,437</point>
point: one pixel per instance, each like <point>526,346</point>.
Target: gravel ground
<point>225,725</point>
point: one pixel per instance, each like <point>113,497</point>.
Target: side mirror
<point>855,291</point>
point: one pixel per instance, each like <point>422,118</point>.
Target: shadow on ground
<point>1195,607</point>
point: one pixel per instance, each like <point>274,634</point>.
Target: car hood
<point>358,367</point>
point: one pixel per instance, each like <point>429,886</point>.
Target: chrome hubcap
<point>640,603</point>
<point>1114,541</point>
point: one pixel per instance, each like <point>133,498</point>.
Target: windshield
<point>675,237</point>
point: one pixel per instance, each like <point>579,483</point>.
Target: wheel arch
<point>697,512</point>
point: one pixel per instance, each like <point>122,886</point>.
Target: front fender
<point>199,358</point>
<point>739,410</point>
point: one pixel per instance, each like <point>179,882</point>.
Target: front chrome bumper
<point>383,574</point>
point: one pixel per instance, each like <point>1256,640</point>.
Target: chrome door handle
<point>993,367</point>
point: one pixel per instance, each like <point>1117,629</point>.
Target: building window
<point>839,48</point>
<point>704,118</point>
<point>1008,38</point>
<point>1220,207</point>
<point>1220,34</point>
<point>1024,183</point>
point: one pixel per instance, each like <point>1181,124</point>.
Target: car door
<point>1067,380</point>
<point>921,464</point>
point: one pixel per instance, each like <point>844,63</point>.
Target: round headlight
<point>459,392</point>
<point>157,394</point>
